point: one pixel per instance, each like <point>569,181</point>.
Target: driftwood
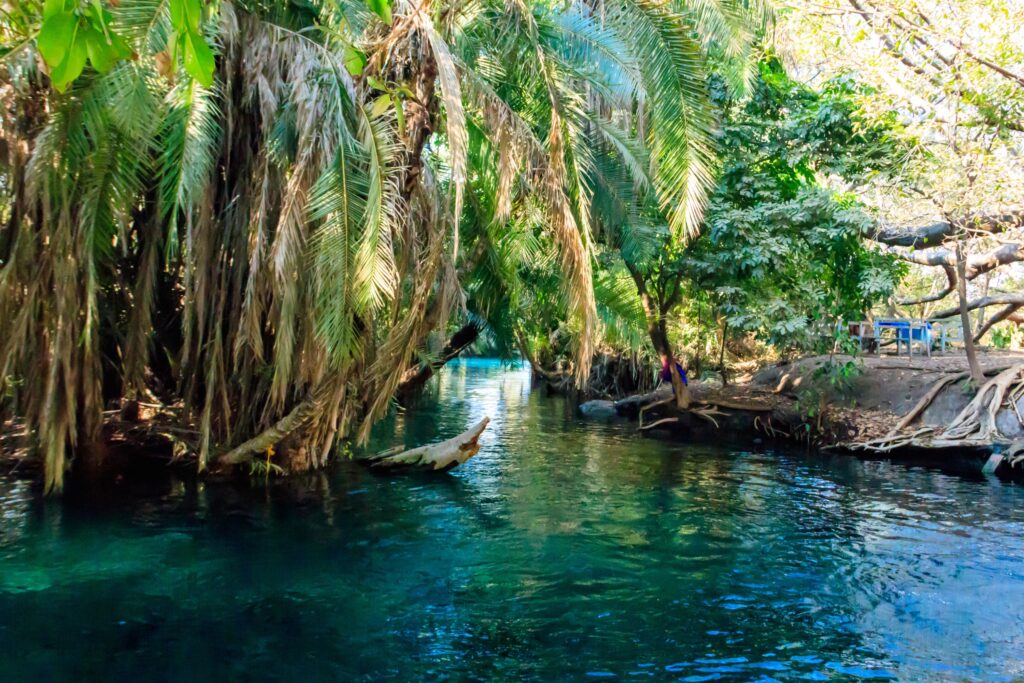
<point>439,456</point>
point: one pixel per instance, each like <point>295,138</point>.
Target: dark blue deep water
<point>563,551</point>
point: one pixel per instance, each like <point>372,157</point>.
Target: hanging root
<point>706,414</point>
<point>1014,455</point>
<point>705,410</point>
<point>664,420</point>
<point>655,404</point>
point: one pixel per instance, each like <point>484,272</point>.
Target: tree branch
<point>996,319</point>
<point>418,374</point>
<point>933,234</point>
<point>951,280</point>
<point>300,415</point>
<point>981,302</point>
<point>979,264</point>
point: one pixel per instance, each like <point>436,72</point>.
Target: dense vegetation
<point>262,250</point>
<point>250,226</point>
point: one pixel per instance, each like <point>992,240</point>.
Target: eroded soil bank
<point>919,407</point>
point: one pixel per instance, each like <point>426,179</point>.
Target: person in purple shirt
<point>666,374</point>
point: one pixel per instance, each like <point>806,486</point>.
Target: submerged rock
<point>598,410</point>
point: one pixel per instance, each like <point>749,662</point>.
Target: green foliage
<point>76,32</point>
<point>1002,337</point>
<point>187,40</point>
<point>382,8</point>
<point>781,255</point>
<point>72,33</point>
<point>288,234</point>
<point>822,387</point>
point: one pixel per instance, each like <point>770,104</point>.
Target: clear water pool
<point>563,551</point>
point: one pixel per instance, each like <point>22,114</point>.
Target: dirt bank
<point>886,404</point>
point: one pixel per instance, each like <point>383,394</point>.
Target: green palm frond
<point>622,314</point>
<point>376,276</point>
<point>681,124</point>
<point>189,139</point>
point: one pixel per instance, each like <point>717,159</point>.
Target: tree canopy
<point>264,222</point>
<point>261,250</point>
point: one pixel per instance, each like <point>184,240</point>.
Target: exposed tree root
<point>975,425</point>
<point>705,410</point>
<point>662,402</point>
<point>706,414</point>
<point>664,420</point>
<point>1014,456</point>
<point>927,399</point>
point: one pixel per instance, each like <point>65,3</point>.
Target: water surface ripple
<point>564,551</point>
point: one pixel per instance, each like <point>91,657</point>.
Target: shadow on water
<point>563,551</point>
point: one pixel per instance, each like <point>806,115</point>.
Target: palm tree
<point>263,256</point>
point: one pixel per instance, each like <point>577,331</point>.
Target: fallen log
<point>439,456</point>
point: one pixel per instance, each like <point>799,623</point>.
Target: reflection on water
<point>563,551</point>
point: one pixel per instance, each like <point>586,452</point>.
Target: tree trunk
<point>659,338</point>
<point>416,376</point>
<point>721,353</point>
<point>965,317</point>
<point>659,335</point>
<point>984,292</point>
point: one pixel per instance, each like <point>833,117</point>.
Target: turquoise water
<point>563,551</point>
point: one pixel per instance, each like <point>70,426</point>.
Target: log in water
<point>563,551</point>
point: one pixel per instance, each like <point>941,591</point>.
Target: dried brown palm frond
<point>451,97</point>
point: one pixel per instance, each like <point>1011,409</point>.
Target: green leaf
<point>380,105</point>
<point>354,60</point>
<point>54,7</point>
<point>101,55</point>
<point>198,58</point>
<point>382,8</point>
<point>55,37</point>
<point>178,16</point>
<point>194,11</point>
<point>376,84</point>
<point>122,50</point>
<point>173,41</point>
<point>400,117</point>
<point>186,15</point>
<point>99,18</point>
<point>71,67</point>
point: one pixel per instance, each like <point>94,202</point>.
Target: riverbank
<point>893,405</point>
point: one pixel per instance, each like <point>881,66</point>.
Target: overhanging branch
<point>981,302</point>
<point>934,234</point>
<point>942,294</point>
<point>996,319</point>
<point>979,264</point>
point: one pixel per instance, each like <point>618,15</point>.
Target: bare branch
<point>996,319</point>
<point>933,234</point>
<point>979,264</point>
<point>982,302</point>
<point>942,294</point>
